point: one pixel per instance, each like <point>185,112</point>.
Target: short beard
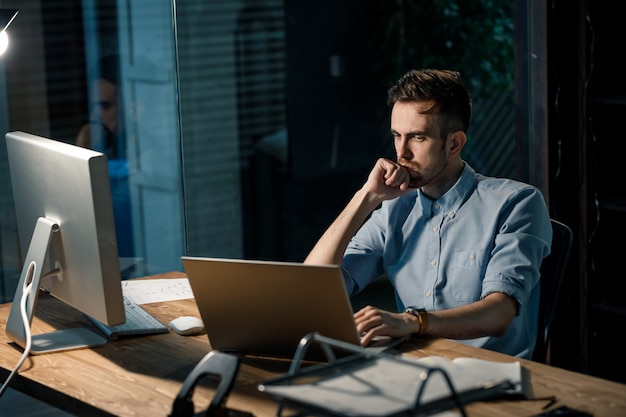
<point>424,176</point>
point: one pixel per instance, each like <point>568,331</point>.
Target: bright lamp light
<point>6,17</point>
<point>4,42</point>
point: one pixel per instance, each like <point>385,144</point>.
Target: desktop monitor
<point>66,229</point>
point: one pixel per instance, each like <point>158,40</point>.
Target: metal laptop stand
<point>354,384</point>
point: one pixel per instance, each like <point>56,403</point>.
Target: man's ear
<point>457,142</point>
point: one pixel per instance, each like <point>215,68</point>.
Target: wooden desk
<point>141,376</point>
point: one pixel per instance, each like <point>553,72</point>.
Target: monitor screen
<point>67,236</point>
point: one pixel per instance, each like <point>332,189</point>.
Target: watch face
<point>422,317</point>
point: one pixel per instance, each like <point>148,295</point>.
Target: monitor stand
<point>18,326</point>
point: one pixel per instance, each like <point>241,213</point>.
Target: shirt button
<point>435,228</point>
<point>437,206</point>
<point>433,262</point>
<point>451,213</point>
<point>428,293</point>
<point>471,257</point>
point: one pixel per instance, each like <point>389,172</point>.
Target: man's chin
<point>415,181</point>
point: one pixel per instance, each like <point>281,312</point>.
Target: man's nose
<point>402,149</point>
<point>96,113</point>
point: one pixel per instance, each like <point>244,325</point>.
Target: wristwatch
<point>422,318</point>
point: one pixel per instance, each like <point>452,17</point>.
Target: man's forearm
<point>333,243</point>
<point>490,316</point>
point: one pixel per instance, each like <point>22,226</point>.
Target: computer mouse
<point>187,325</point>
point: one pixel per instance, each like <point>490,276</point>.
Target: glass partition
<point>242,127</point>
<point>102,74</point>
<point>283,107</point>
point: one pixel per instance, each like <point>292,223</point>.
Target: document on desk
<point>390,386</point>
<point>143,291</point>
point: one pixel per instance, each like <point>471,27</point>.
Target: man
<point>462,250</point>
<point>105,130</point>
<point>105,133</point>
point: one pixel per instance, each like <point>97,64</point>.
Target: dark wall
<point>586,104</point>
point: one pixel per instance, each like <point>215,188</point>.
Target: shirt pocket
<point>463,277</point>
<point>465,259</point>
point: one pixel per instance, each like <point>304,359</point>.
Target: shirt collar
<point>454,198</point>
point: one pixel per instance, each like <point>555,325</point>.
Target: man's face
<point>105,105</point>
<point>419,147</point>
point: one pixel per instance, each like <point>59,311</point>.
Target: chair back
<point>552,277</point>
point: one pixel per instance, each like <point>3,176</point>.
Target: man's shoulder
<point>501,184</point>
<point>508,191</point>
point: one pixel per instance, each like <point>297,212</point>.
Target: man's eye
<point>104,105</point>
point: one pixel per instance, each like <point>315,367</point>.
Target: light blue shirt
<point>484,235</point>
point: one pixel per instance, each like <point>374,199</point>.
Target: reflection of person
<point>462,250</point>
<point>105,133</point>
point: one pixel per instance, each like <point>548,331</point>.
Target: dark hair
<point>452,102</point>
<point>109,69</point>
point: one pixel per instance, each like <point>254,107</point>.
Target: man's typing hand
<point>372,322</point>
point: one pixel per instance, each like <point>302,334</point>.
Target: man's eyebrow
<point>413,133</point>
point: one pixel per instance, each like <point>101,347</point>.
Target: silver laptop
<point>264,308</point>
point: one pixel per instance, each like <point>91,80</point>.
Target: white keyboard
<point>138,321</point>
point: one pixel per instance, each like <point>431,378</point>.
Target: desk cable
<point>28,284</point>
